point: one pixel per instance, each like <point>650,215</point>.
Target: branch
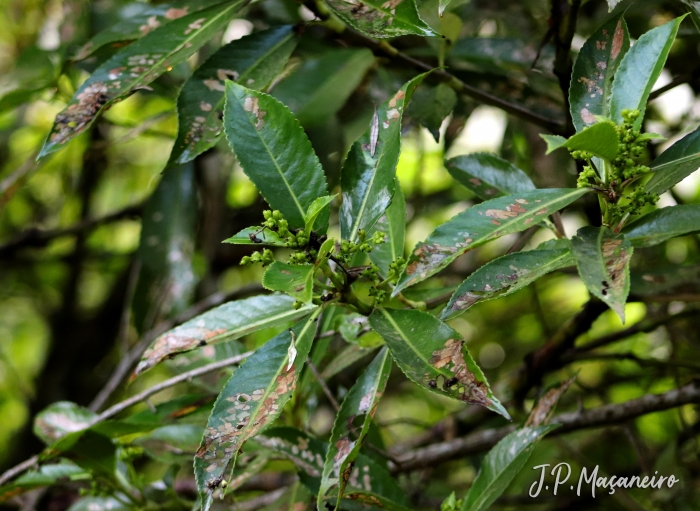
<point>126,363</point>
<point>572,421</point>
<point>384,48</point>
<point>141,396</point>
<point>678,80</point>
<point>39,238</point>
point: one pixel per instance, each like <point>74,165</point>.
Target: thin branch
<point>259,502</point>
<point>523,239</point>
<point>127,362</point>
<point>39,238</point>
<point>10,184</point>
<point>644,362</point>
<point>18,469</point>
<point>323,384</point>
<point>678,80</point>
<point>189,375</point>
<point>571,421</point>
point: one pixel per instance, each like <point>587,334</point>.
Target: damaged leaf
<point>393,224</point>
<point>274,152</point>
<point>488,175</point>
<point>603,259</point>
<point>639,70</point>
<point>249,402</point>
<point>136,66</point>
<point>59,419</point>
<point>431,105</point>
<point>294,279</point>
<point>675,163</point>
<point>367,479</point>
<point>601,140</point>
<point>434,356</point>
<point>138,25</point>
<point>351,426</point>
<point>505,275</point>
<point>543,410</point>
<point>663,224</point>
<point>595,66</point>
<point>256,236</point>
<point>254,61</point>
<point>500,466</point>
<point>382,19</point>
<point>224,323</point>
<point>480,224</point>
<point>368,181</point>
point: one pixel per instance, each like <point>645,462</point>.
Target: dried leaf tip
<point>374,132</point>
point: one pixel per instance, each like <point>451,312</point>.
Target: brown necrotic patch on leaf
<point>451,358</point>
<point>176,342</point>
<point>616,258</point>
<point>251,105</point>
<point>618,40</point>
<point>544,408</point>
<point>74,118</point>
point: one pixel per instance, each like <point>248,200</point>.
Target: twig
<point>571,421</point>
<point>323,384</point>
<point>678,80</point>
<point>127,362</point>
<point>259,502</point>
<point>523,239</point>
<point>10,182</point>
<point>40,238</point>
<point>18,469</point>
<point>142,396</point>
<point>629,356</point>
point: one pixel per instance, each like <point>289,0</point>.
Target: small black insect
<point>254,238</point>
<point>432,384</point>
<point>449,383</point>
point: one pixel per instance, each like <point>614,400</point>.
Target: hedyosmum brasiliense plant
<point>355,276</point>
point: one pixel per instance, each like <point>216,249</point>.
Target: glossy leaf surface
<point>367,177</point>
<point>501,465</point>
<point>505,275</point>
<point>352,425</point>
<point>480,224</point>
<point>249,402</point>
<point>59,419</point>
<point>488,175</point>
<point>675,163</point>
<point>603,259</point>
<point>434,356</point>
<point>393,224</point>
<point>294,279</point>
<point>596,64</point>
<point>663,224</point>
<point>224,323</point>
<point>253,60</point>
<point>639,70</point>
<point>601,140</point>
<point>255,236</point>
<point>274,152</point>
<point>136,66</point>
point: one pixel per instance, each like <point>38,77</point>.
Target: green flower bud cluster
<point>266,257</point>
<point>395,269</point>
<point>632,145</point>
<point>348,248</point>
<point>587,178</point>
<point>292,238</point>
<point>379,295</point>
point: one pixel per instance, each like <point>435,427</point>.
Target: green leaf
<point>367,178</point>
<point>601,139</point>
<point>294,279</point>
<point>480,224</point>
<point>675,163</point>
<point>251,400</point>
<point>639,70</point>
<point>367,478</point>
<point>603,259</point>
<point>138,25</point>
<point>99,504</point>
<point>136,66</point>
<point>377,18</point>
<point>504,276</point>
<point>351,426</point>
<point>321,86</point>
<point>595,66</point>
<point>393,224</point>
<point>663,224</point>
<point>46,475</point>
<point>434,356</point>
<point>224,323</point>
<point>315,209</point>
<point>351,326</point>
<point>59,419</point>
<point>166,248</point>
<point>431,105</point>
<point>500,466</point>
<point>265,237</point>
<point>543,409</point>
<point>253,60</point>
<point>274,152</point>
<point>488,176</point>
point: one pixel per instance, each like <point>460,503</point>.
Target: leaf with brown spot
<point>488,176</point>
<point>254,60</point>
<point>434,356</point>
<point>595,66</point>
<point>135,66</point>
<point>294,279</point>
<point>59,419</point>
<point>473,228</point>
<point>508,274</point>
<point>543,410</point>
<point>249,402</point>
<point>351,426</point>
<point>603,259</point>
<point>382,18</point>
<point>224,323</point>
